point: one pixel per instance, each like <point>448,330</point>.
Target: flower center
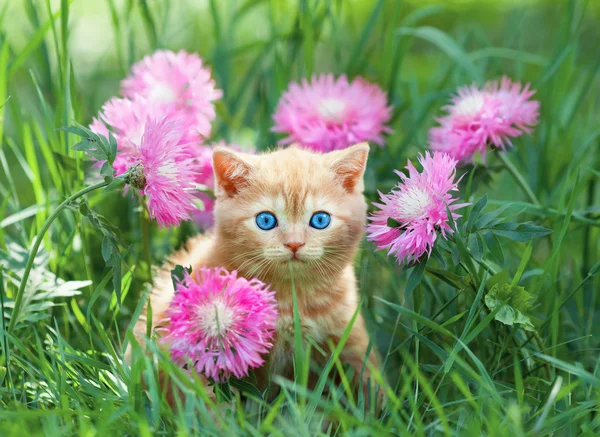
<point>413,203</point>
<point>215,318</point>
<point>470,105</point>
<point>332,109</point>
<point>168,169</point>
<point>163,94</point>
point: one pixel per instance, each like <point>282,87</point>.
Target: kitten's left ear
<point>349,166</point>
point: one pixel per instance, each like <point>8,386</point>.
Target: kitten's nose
<point>294,246</point>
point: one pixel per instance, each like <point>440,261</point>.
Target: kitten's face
<point>290,209</point>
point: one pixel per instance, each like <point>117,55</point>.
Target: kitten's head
<point>290,209</point>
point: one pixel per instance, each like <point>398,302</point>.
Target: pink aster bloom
<point>127,120</point>
<point>418,205</point>
<point>221,323</point>
<point>168,173</point>
<point>479,118</point>
<point>328,114</point>
<point>178,81</point>
<point>205,176</point>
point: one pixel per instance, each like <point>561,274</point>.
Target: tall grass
<point>449,367</point>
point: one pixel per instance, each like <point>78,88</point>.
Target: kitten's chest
<point>319,319</point>
<point>282,352</point>
<point>309,327</point>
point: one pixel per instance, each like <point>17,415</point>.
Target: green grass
<point>450,366</point>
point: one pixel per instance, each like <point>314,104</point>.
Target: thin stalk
<point>34,250</point>
<point>519,178</point>
<point>145,219</point>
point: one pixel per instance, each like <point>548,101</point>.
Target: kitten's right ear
<point>349,166</point>
<point>231,171</point>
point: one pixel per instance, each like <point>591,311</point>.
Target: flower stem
<point>34,250</point>
<point>145,218</point>
<point>518,178</point>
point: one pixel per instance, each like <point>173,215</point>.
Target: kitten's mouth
<point>295,259</point>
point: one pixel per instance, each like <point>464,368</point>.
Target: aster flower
<point>127,120</point>
<point>479,118</point>
<point>418,206</point>
<point>181,83</point>
<point>328,114</point>
<point>205,176</point>
<point>221,323</point>
<point>164,172</point>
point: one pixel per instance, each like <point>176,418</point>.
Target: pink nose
<point>294,246</point>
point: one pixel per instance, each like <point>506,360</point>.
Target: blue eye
<point>320,220</point>
<point>266,221</point>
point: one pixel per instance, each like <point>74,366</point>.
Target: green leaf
<point>116,184</point>
<point>107,170</point>
<point>491,217</point>
<point>476,246</point>
<point>520,231</point>
<point>246,387</point>
<point>75,130</point>
<point>415,278</point>
<point>84,145</point>
<point>515,304</point>
<point>477,208</point>
<point>106,248</point>
<point>452,279</point>
<point>115,262</point>
<point>112,150</point>
<point>524,260</point>
<point>493,245</point>
<point>93,144</point>
<point>114,258</point>
<point>393,223</point>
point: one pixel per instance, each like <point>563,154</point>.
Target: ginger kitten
<point>287,212</point>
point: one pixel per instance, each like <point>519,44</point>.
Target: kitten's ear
<point>231,171</point>
<point>349,166</point>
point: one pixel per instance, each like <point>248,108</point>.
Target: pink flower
<point>478,118</point>
<point>181,83</point>
<point>221,323</point>
<point>205,176</point>
<point>127,120</point>
<point>418,205</point>
<point>204,215</point>
<point>168,178</point>
<point>328,114</point>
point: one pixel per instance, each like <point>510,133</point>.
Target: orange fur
<point>293,184</point>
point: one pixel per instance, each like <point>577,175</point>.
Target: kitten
<point>288,209</point>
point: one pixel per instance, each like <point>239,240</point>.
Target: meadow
<point>494,334</point>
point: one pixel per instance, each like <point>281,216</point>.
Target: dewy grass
<point>456,361</point>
